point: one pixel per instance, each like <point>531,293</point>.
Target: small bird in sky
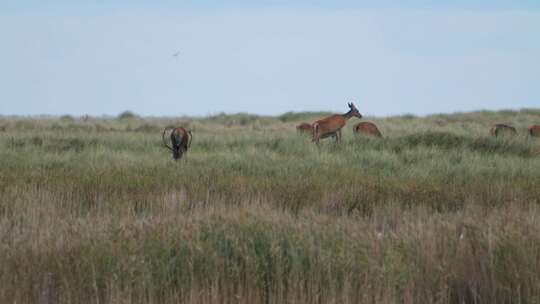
<point>176,54</point>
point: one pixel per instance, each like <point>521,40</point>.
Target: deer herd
<point>330,126</point>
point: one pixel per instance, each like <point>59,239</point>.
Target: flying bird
<point>176,54</point>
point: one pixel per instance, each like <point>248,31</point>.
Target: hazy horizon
<point>268,58</point>
<point>116,115</point>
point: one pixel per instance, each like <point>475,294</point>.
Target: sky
<point>267,57</point>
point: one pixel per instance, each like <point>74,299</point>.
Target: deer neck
<point>347,115</point>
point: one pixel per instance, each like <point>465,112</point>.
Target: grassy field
<point>437,211</point>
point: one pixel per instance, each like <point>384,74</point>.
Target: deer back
<point>367,128</point>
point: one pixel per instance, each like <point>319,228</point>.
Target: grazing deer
<point>502,129</point>
<point>180,139</point>
<point>304,127</point>
<point>534,130</point>
<point>331,126</point>
<point>367,128</point>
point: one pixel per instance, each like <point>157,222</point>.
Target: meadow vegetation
<point>95,210</point>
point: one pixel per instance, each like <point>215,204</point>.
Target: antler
<point>163,138</point>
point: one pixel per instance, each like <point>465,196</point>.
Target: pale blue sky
<point>267,57</point>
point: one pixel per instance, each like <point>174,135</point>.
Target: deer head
<point>354,110</point>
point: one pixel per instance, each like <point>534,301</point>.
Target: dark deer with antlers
<point>180,140</point>
<point>331,126</point>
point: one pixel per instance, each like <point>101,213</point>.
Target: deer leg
<point>338,136</point>
<point>315,137</point>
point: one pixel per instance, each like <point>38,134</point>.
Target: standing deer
<point>367,128</point>
<point>331,126</point>
<point>180,139</point>
<point>304,127</point>
<point>502,129</point>
<point>534,130</point>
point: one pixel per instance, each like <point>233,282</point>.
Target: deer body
<point>332,125</point>
<point>180,140</point>
<point>367,128</point>
<point>502,129</point>
<point>534,130</point>
<point>304,127</point>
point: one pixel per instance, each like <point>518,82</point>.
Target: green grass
<point>96,211</point>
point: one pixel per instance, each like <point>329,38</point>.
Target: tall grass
<point>96,211</point>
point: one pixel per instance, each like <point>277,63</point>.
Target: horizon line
<point>136,115</point>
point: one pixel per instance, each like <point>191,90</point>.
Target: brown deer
<point>331,126</point>
<point>304,127</point>
<point>534,130</point>
<point>180,139</point>
<point>502,129</point>
<point>367,128</point>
